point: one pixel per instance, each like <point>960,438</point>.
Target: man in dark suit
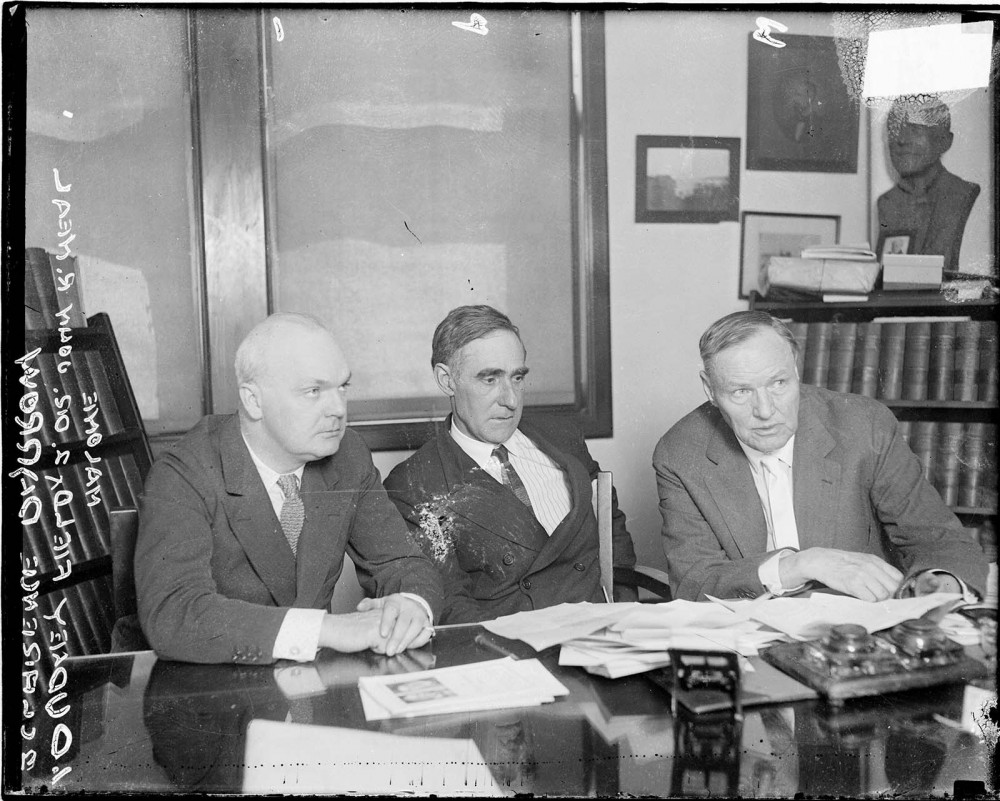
<point>772,485</point>
<point>928,203</point>
<point>501,504</point>
<point>245,521</point>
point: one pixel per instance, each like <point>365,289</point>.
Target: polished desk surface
<point>146,725</point>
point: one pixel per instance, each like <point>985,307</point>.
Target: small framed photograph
<point>800,117</point>
<point>693,179</point>
<point>895,242</point>
<point>767,233</point>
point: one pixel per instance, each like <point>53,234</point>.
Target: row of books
<point>64,395</point>
<point>51,286</point>
<point>959,459</point>
<point>89,621</point>
<point>119,484</point>
<point>937,359</point>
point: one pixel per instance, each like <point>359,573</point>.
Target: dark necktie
<point>510,477</point>
<point>293,511</point>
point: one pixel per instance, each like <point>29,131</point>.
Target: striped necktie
<point>293,511</point>
<point>510,477</point>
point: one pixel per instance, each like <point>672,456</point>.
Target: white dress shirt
<point>544,480</point>
<point>298,637</point>
<point>788,538</point>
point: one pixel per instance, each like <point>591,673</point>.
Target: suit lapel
<point>320,546</point>
<point>730,482</point>
<point>816,481</point>
<point>253,521</point>
<point>475,495</point>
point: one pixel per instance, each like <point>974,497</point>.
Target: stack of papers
<point>497,684</point>
<point>861,252</point>
<point>639,640</point>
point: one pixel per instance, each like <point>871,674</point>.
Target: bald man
<point>245,521</point>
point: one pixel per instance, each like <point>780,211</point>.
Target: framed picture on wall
<point>687,179</point>
<point>800,117</point>
<point>767,233</point>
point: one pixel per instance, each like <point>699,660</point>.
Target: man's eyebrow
<point>521,371</point>
<point>489,372</point>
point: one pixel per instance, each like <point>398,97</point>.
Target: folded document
<point>496,684</point>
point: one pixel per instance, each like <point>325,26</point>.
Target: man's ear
<point>706,385</point>
<point>444,379</point>
<point>943,141</point>
<point>250,398</point>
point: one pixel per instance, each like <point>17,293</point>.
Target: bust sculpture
<point>928,203</point>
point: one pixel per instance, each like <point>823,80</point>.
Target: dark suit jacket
<point>857,487</point>
<point>214,573</point>
<point>496,558</point>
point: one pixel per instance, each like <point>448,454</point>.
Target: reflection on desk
<point>144,725</point>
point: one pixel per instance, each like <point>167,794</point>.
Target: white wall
<point>681,73</point>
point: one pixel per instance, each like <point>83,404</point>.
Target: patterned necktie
<point>510,477</point>
<point>781,503</point>
<point>293,511</point>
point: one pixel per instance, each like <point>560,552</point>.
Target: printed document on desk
<point>543,628</point>
<point>495,684</point>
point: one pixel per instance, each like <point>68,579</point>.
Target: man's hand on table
<point>403,623</point>
<point>860,575</point>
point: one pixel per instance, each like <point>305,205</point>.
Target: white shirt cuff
<point>298,637</point>
<point>969,595</point>
<point>770,575</point>
<point>423,603</point>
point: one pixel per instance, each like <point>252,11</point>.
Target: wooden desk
<point>144,725</point>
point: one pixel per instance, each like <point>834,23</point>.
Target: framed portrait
<point>895,242</point>
<point>800,117</point>
<point>687,179</point>
<point>766,234</point>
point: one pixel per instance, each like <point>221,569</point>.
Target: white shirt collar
<point>482,452</point>
<point>267,475</point>
<point>784,453</point>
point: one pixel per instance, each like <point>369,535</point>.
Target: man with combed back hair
<point>772,485</point>
<point>502,504</point>
<point>245,521</point>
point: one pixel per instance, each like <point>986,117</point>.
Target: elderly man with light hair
<point>773,485</point>
<point>246,520</point>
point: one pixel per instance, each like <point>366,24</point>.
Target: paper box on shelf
<point>911,271</point>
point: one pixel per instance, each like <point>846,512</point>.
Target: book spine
<point>905,430</point>
<point>946,459</point>
<point>916,356</point>
<point>34,318</point>
<point>966,360</point>
<point>866,359</point>
<point>942,362</point>
<point>36,262</point>
<point>891,361</point>
<point>132,477</point>
<point>47,527</point>
<point>70,400</point>
<point>108,414</point>
<point>843,343</point>
<point>86,538</point>
<point>115,473</point>
<point>987,384</point>
<point>922,443</point>
<point>97,515</point>
<point>800,332</point>
<point>971,465</point>
<point>817,362</point>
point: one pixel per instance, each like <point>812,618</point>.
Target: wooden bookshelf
<point>99,455</point>
<point>954,436</point>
